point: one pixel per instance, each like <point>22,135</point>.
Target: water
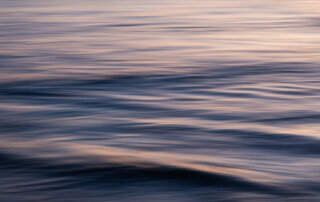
<point>147,100</point>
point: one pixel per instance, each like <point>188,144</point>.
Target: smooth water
<point>149,100</point>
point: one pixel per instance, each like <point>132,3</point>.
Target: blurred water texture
<point>149,100</point>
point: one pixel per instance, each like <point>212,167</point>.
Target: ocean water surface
<point>158,100</point>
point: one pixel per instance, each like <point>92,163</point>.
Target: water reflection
<point>159,100</point>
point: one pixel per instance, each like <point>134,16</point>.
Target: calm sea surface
<point>158,100</point>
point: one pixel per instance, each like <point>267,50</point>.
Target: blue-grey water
<point>158,100</point>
